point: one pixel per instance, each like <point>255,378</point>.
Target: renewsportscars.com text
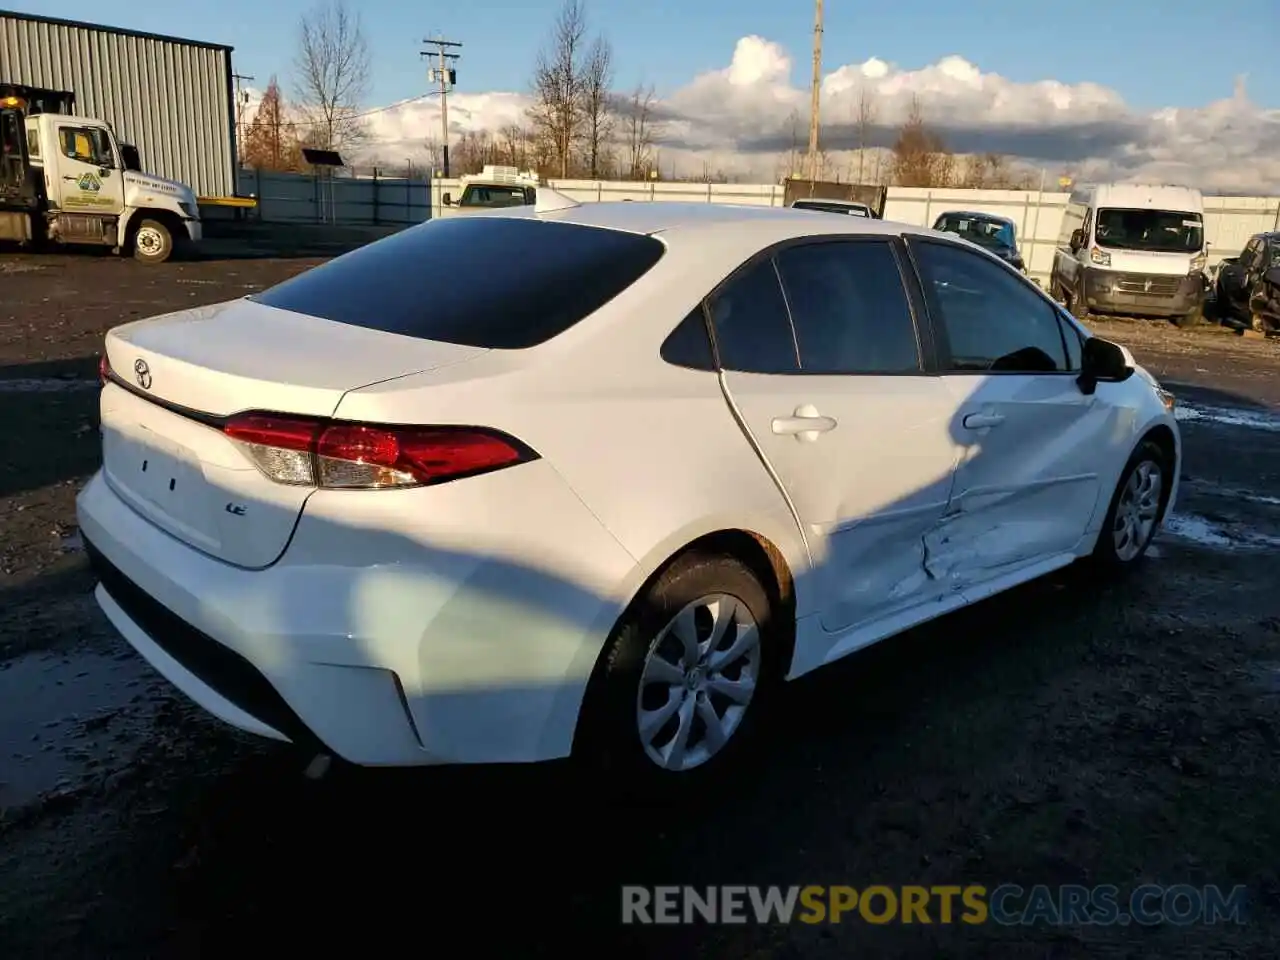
<point>1007,904</point>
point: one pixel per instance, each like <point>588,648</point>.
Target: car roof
<point>765,224</point>
<point>977,215</point>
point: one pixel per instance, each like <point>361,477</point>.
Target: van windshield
<point>1158,231</point>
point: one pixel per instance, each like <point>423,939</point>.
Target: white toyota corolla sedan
<point>593,480</point>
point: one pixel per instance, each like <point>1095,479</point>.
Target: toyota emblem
<point>142,373</point>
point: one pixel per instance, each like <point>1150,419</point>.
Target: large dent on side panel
<point>884,575</point>
<point>1000,530</point>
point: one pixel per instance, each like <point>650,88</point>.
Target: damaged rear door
<point>822,361</point>
<point>1030,442</point>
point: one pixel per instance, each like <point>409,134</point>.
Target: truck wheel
<point>1077,305</point>
<point>152,243</point>
<point>1192,319</point>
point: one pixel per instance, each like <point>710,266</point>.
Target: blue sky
<point>1155,53</point>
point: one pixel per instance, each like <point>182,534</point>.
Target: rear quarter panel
<point>652,449</point>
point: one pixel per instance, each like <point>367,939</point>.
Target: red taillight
<point>355,456</point>
<point>104,369</point>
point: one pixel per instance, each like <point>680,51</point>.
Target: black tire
<point>1107,558</point>
<point>1077,305</point>
<point>608,745</point>
<point>1193,319</point>
<point>152,242</point>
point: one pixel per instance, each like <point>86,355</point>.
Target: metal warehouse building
<point>171,98</point>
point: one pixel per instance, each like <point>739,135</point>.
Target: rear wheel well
<point>761,556</point>
<point>757,553</point>
<point>764,559</point>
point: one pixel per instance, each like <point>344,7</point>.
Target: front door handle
<point>805,424</point>
<point>976,421</point>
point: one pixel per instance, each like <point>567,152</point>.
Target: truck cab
<point>67,179</point>
<point>494,187</point>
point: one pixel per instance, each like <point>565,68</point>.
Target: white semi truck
<point>66,179</point>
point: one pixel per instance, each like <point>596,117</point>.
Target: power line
<point>347,116</point>
<point>447,76</point>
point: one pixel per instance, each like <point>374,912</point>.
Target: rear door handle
<point>72,179</point>
<point>805,424</point>
<point>976,421</point>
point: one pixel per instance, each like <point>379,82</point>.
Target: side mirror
<point>1077,240</point>
<point>447,199</point>
<point>1101,362</point>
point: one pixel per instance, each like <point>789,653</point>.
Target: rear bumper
<point>375,647</point>
<point>1103,295</point>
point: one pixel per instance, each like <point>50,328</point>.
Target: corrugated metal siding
<point>170,99</point>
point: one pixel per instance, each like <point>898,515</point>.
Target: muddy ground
<point>1057,734</point>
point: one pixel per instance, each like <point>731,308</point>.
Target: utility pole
<point>446,75</point>
<point>241,100</point>
<point>816,94</point>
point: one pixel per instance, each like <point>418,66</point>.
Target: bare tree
<point>920,157</point>
<point>332,74</point>
<point>793,154</point>
<point>431,148</point>
<point>864,119</point>
<point>598,120</point>
<point>559,80</point>
<point>638,130</point>
<point>993,171</point>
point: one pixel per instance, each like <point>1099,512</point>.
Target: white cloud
<point>741,118</point>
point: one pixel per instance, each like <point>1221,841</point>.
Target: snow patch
<point>1228,416</point>
<point>1188,526</point>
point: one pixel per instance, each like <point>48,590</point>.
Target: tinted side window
<point>992,320</point>
<point>849,308</point>
<point>506,283</point>
<point>689,344</point>
<point>753,332</point>
<point>1075,345</point>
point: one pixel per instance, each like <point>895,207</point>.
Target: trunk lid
<point>163,450</point>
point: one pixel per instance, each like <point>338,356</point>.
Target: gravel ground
<point>1057,734</point>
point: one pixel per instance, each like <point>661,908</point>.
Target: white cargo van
<point>1132,249</point>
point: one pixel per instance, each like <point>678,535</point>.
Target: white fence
<point>1229,221</point>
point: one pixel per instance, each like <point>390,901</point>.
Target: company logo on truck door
<point>90,182</point>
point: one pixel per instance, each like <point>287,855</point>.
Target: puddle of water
<point>63,717</point>
<point>1229,416</point>
<point>1187,526</point>
<point>47,385</point>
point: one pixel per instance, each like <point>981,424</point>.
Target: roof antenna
<point>549,200</point>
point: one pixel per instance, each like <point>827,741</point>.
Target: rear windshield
<point>829,207</point>
<point>504,283</point>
